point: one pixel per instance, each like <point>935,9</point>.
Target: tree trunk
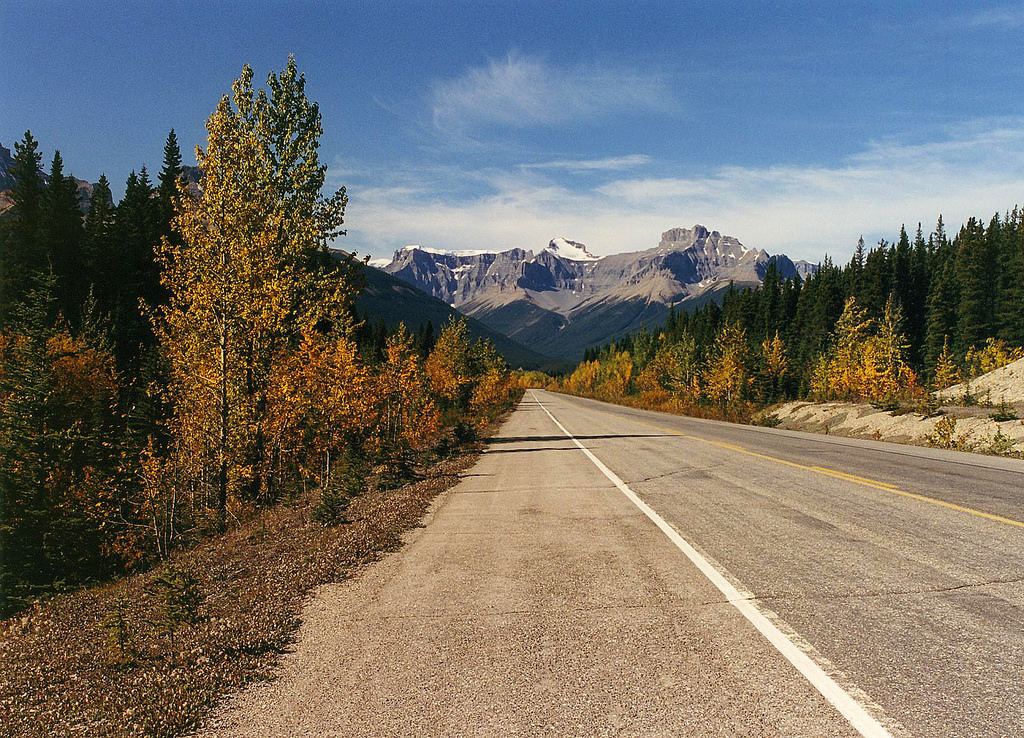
<point>222,475</point>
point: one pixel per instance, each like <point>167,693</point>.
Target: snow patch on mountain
<point>571,250</point>
<point>444,252</point>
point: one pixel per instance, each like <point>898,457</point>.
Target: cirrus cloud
<point>521,91</point>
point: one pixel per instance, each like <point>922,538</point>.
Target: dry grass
<point>62,674</point>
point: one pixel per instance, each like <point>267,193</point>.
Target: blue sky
<point>795,127</point>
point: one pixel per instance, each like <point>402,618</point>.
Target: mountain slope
<point>394,301</point>
<point>564,299</point>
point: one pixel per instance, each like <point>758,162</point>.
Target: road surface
<point>609,571</point>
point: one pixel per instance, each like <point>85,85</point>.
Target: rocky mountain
<point>7,182</point>
<point>564,299</point>
<point>389,299</point>
<point>6,162</point>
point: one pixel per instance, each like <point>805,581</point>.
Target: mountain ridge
<point>562,299</point>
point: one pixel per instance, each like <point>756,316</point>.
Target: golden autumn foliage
<point>866,364</point>
<point>405,417</point>
<point>244,285</point>
<point>947,373</point>
<point>994,354</point>
<point>65,496</point>
<point>469,378</point>
<point>449,368</point>
<point>318,403</point>
<point>727,378</point>
<point>256,389</point>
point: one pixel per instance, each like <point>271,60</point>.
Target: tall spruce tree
<point>23,252</point>
<point>99,250</point>
<point>1010,316</point>
<point>973,271</point>
<point>170,174</point>
<point>62,235</point>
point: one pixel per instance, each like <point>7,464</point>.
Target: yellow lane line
<point>873,483</point>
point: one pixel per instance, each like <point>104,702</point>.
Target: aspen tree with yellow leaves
<point>405,416</point>
<point>727,378</point>
<point>244,283</point>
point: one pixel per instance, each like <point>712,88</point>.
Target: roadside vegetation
<point>175,365</point>
<point>896,325</point>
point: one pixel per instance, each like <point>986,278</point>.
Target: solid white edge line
<point>851,709</point>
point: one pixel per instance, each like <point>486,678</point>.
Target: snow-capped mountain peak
<point>571,250</point>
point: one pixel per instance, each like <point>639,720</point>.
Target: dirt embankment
<point>1002,385</point>
<point>982,415</point>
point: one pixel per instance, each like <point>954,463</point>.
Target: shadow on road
<point>524,439</point>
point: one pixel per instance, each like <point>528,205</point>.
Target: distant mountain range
<point>563,299</point>
<point>547,307</point>
<point>394,301</point>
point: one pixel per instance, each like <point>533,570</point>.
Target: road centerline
<point>835,473</point>
<point>855,711</point>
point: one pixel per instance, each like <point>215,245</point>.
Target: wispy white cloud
<point>1005,17</point>
<point>611,163</point>
<point>803,211</point>
<point>521,91</point>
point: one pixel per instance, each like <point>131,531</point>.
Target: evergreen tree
<point>878,274</point>
<point>855,271</point>
<point>942,312</point>
<point>23,252</point>
<point>62,235</point>
<point>171,171</point>
<point>1010,315</point>
<point>98,248</point>
<point>974,313</point>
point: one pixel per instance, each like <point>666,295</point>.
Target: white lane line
<point>858,716</point>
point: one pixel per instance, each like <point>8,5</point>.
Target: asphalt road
<point>679,577</point>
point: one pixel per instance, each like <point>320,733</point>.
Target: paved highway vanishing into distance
<point>609,571</point>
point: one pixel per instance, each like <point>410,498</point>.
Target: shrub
<point>121,629</point>
<point>345,481</point>
<point>944,435</point>
<point>180,597</point>
<point>1001,445</point>
<point>1003,412</point>
<point>768,421</point>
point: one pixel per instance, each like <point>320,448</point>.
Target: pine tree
<point>855,280</point>
<point>170,174</point>
<point>901,265</point>
<point>942,312</point>
<point>100,254</point>
<point>23,253</point>
<point>916,310</point>
<point>878,275</point>
<point>1010,303</point>
<point>974,318</point>
<point>62,235</point>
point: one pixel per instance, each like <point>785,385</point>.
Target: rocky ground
<point>983,415</point>
<point>964,428</point>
